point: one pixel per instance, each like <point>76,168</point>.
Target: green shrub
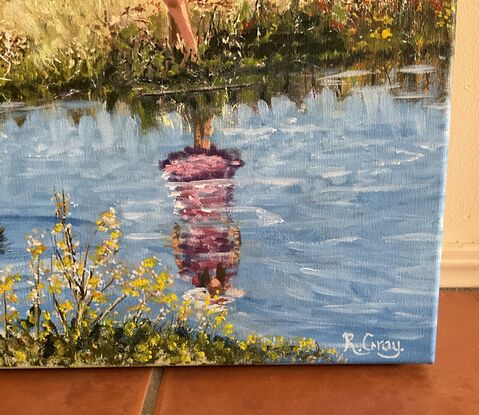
<point>86,307</point>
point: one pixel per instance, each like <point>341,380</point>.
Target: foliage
<point>52,47</point>
<point>86,307</point>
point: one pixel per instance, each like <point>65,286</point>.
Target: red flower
<point>437,5</point>
<point>323,6</point>
<point>334,24</point>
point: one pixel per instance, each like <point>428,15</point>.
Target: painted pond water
<point>336,205</point>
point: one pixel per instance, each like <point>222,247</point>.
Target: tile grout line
<point>152,391</point>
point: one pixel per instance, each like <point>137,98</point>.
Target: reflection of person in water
<point>206,242</point>
<point>208,255</point>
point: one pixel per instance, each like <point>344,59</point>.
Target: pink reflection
<point>206,242</point>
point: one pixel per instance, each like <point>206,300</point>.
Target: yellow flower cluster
<point>35,247</point>
<point>7,282</point>
<point>108,221</point>
<point>381,34</point>
<point>184,311</point>
<point>445,16</point>
<point>306,345</point>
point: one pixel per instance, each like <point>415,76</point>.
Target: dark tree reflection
<point>2,240</point>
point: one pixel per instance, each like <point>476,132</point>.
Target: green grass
<point>58,48</point>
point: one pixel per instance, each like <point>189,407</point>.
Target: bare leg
<point>180,25</point>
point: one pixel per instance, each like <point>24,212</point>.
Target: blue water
<point>339,205</point>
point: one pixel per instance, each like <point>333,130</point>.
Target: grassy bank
<point>51,48</point>
<point>87,307</point>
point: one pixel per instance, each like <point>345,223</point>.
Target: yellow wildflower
<point>228,329</point>
<point>66,306</point>
<point>219,319</point>
<point>387,20</point>
<point>58,228</point>
<point>149,262</point>
<point>20,356</point>
<point>108,220</point>
<point>386,33</point>
<point>98,297</point>
<point>62,245</point>
<point>36,248</point>
<point>200,355</point>
<point>184,311</point>
<point>140,283</point>
<point>100,226</point>
<point>169,298</point>
<point>252,338</point>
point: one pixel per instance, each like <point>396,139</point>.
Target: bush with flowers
<point>87,307</point>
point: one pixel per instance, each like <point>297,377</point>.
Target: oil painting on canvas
<point>191,182</point>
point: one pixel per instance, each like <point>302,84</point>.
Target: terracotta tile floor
<point>451,386</point>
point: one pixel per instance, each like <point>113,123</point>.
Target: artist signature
<point>385,349</point>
